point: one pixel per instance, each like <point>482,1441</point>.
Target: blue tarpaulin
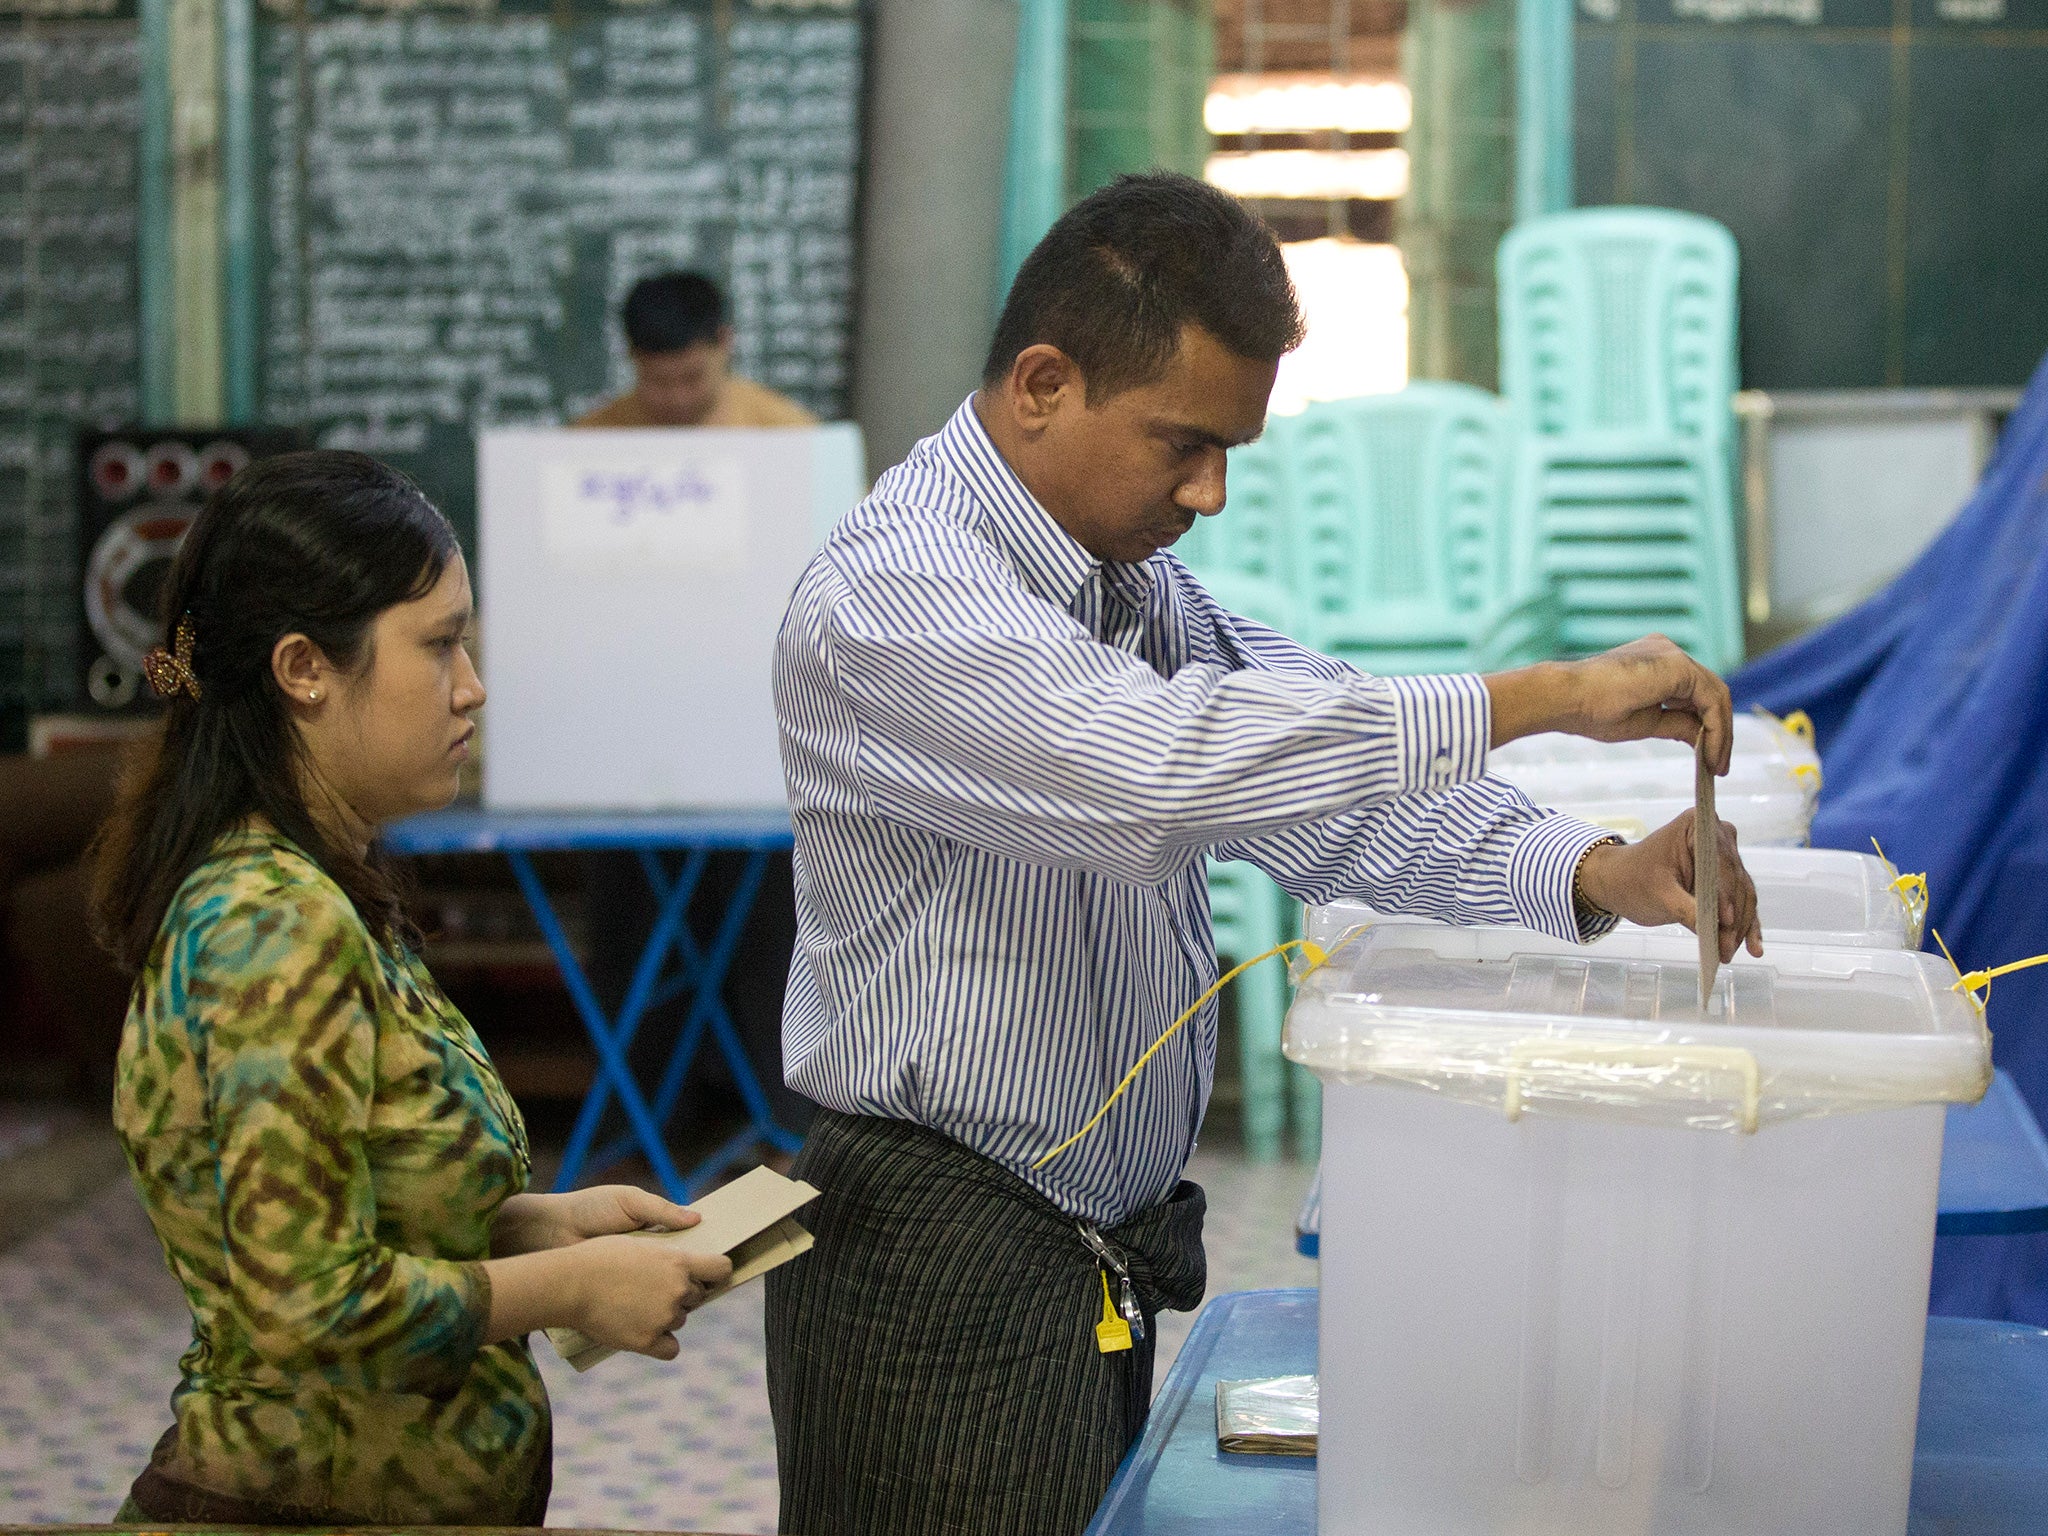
<point>1930,703</point>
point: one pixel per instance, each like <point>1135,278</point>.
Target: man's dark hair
<point>1113,282</point>
<point>672,312</point>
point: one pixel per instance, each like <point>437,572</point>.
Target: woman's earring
<point>313,696</point>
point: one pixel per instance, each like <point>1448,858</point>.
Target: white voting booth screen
<point>630,587</point>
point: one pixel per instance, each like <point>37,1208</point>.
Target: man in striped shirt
<point>1013,728</point>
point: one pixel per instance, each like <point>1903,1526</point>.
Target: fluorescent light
<point>1354,297</point>
<point>1378,174</point>
<point>1306,103</point>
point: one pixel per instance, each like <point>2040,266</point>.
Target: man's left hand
<point>1651,883</point>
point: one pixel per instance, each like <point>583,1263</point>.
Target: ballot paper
<point>1274,1416</point>
<point>752,1221</point>
<point>1706,871</point>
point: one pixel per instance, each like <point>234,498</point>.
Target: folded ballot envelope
<point>751,1221</point>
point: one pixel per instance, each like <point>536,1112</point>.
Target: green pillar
<point>183,225</point>
<point>1543,107</point>
<point>1103,87</point>
<point>1459,60</point>
<point>1035,172</point>
<point>1141,72</point>
<point>198,373</point>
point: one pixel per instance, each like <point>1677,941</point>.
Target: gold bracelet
<point>1583,910</point>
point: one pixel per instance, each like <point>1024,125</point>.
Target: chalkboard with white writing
<point>70,102</point>
<point>1882,163</point>
<point>455,201</point>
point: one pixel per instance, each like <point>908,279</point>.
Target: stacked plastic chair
<point>1375,530</point>
<point>1401,550</point>
<point>1250,915</point>
<point>1252,538</point>
<point>1618,359</point>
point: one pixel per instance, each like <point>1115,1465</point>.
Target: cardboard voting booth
<point>630,587</point>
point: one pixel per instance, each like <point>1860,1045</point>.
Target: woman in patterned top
<point>335,1171</point>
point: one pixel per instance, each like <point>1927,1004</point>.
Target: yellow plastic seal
<point>1912,893</point>
<point>1112,1333</point>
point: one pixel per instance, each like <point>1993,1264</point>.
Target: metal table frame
<point>699,972</point>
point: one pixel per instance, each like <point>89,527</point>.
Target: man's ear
<point>1043,382</point>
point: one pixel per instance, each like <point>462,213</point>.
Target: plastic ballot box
<point>1635,787</point>
<point>1803,896</point>
<point>1597,1261</point>
<point>630,590</point>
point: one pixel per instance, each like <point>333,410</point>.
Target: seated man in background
<point>681,347</point>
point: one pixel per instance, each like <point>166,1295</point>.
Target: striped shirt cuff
<point>1445,725</point>
<point>1540,874</point>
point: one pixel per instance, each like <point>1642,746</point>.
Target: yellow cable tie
<point>1976,980</point>
<point>1912,893</point>
<point>1798,724</point>
<point>1316,957</point>
<point>1113,1333</point>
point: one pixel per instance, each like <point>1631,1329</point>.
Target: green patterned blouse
<point>322,1145</point>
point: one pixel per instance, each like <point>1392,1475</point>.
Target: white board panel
<point>630,587</point>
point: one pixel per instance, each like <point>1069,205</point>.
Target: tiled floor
<point>23,1129</point>
<point>91,1326</point>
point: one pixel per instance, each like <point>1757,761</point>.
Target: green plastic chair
<point>1620,323</point>
<point>1253,536</point>
<point>1250,915</point>
<point>1618,356</point>
<point>1402,548</point>
<point>1630,545</point>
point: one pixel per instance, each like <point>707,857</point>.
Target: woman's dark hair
<point>317,544</point>
<point>1122,271</point>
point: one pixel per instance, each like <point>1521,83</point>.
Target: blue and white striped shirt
<point>1007,761</point>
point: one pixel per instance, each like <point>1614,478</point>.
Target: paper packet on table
<point>1274,1416</point>
<point>752,1221</point>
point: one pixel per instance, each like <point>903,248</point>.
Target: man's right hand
<point>1647,688</point>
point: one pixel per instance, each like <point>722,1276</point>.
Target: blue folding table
<point>1994,1172</point>
<point>1980,1467</point>
<point>699,972</point>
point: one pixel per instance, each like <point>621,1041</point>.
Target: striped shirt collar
<point>1050,560</point>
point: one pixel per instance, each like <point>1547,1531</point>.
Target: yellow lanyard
<point>1316,957</point>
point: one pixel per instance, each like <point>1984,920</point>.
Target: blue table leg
<point>614,1071</point>
<point>711,1005</point>
<point>671,919</point>
<point>708,971</point>
<point>704,973</point>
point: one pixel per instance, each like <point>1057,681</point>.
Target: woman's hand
<point>535,1223</point>
<point>627,1290</point>
<point>1647,688</point>
<point>1651,882</point>
<point>634,1293</point>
